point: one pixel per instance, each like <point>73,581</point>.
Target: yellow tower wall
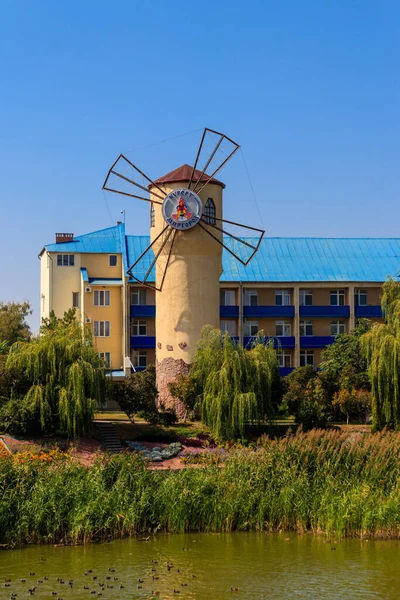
<point>189,299</point>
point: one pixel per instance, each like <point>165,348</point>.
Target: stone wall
<point>166,371</point>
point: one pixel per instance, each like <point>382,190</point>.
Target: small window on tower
<point>210,212</point>
<point>152,216</point>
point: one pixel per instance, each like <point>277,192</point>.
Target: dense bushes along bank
<point>320,482</point>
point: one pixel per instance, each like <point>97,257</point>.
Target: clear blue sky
<point>310,89</point>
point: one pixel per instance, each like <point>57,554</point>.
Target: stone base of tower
<point>167,371</point>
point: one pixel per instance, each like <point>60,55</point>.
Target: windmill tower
<point>184,259</point>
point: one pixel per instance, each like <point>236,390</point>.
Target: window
<point>152,215</point>
<point>113,258</point>
<point>306,328</point>
<point>75,299</point>
<point>284,359</point>
<point>106,358</point>
<point>139,327</point>
<point>337,327</point>
<point>209,211</point>
<point>306,298</point>
<point>138,297</point>
<point>250,328</point>
<point>140,359</point>
<point>102,328</point>
<point>360,297</point>
<point>65,260</point>
<point>229,326</point>
<point>306,358</point>
<point>282,328</point>
<point>227,298</point>
<point>337,297</point>
<point>282,298</point>
<point>250,298</point>
<point>101,298</point>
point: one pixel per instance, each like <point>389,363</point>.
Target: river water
<point>206,567</point>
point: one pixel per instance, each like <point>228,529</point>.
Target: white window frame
<point>340,297</point>
<point>137,356</point>
<point>101,298</point>
<point>283,357</point>
<point>102,328</point>
<point>249,327</point>
<point>140,293</point>
<point>65,260</point>
<point>358,292</point>
<point>116,260</point>
<point>284,296</point>
<point>337,328</point>
<point>152,215</point>
<point>306,328</point>
<point>250,298</point>
<point>75,299</point>
<point>227,297</point>
<point>229,326</point>
<point>308,358</point>
<point>105,359</point>
<point>139,325</point>
<point>303,294</point>
<point>285,327</point>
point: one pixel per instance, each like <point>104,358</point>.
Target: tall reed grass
<point>318,482</point>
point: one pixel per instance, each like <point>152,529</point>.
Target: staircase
<point>109,436</point>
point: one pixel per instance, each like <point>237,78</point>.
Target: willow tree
<point>381,348</point>
<point>65,374</point>
<point>237,384</point>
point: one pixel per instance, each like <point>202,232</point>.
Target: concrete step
<point>109,437</point>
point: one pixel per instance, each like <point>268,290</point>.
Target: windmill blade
<point>238,243</point>
<point>214,151</point>
<point>122,179</point>
<point>143,268</point>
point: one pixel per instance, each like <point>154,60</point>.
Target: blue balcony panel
<point>316,341</point>
<point>279,342</point>
<point>285,371</point>
<point>143,310</point>
<point>368,312</point>
<point>143,341</point>
<point>229,311</point>
<point>137,369</point>
<point>325,311</point>
<point>268,311</point>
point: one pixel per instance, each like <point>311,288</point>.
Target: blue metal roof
<point>278,259</point>
<point>107,241</point>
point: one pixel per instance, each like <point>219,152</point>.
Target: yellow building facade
<point>301,292</point>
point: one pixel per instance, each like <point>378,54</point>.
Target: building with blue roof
<point>301,292</point>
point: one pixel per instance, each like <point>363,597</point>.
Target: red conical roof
<point>183,173</point>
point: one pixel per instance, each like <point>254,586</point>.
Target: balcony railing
<point>143,310</point>
<point>279,342</point>
<point>325,311</point>
<point>229,311</point>
<point>143,341</point>
<point>285,371</point>
<point>268,311</point>
<point>368,312</point>
<point>316,341</point>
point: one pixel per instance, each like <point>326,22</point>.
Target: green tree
<point>66,381</point>
<point>306,398</point>
<point>186,389</point>
<point>138,394</point>
<point>381,348</point>
<point>237,384</point>
<point>13,325</point>
<point>343,363</point>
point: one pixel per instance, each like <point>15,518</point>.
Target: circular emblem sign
<point>182,209</point>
